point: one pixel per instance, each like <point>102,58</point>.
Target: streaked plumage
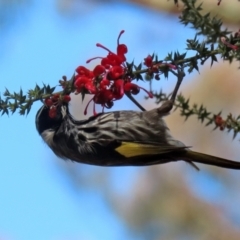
<point>120,138</point>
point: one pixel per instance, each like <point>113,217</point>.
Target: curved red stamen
<point>85,110</point>
<point>89,60</point>
<point>149,93</point>
<point>120,34</point>
<point>101,46</point>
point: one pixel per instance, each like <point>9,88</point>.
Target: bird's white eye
<point>64,111</point>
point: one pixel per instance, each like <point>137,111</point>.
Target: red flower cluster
<point>228,44</point>
<point>219,122</point>
<point>108,81</point>
<point>53,101</point>
<point>153,68</point>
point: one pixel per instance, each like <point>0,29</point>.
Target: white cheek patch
<point>47,136</point>
<point>64,111</point>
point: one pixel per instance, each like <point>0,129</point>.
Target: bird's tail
<point>196,157</point>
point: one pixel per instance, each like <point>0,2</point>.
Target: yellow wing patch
<point>131,149</point>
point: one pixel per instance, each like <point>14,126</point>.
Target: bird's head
<point>44,121</point>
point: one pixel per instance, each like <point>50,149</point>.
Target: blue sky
<point>37,200</point>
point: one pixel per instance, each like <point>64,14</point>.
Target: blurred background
<point>42,197</point>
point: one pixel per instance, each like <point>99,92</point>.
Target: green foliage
<point>14,101</point>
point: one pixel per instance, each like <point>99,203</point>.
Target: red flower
<point>228,44</point>
<point>108,80</point>
<point>106,63</point>
<point>134,89</point>
<point>148,61</point>
<point>131,87</point>
<point>52,112</point>
<point>118,89</point>
<point>48,102</point>
<point>82,71</point>
<point>113,58</point>
<point>84,83</point>
<point>121,48</point>
<point>219,122</point>
<point>98,70</point>
<point>55,97</point>
<point>115,72</point>
<point>66,98</point>
<point>103,96</point>
<point>104,83</point>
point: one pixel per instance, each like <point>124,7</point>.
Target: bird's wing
<point>126,135</point>
<point>128,126</point>
<point>134,149</point>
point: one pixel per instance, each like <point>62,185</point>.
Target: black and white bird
<point>120,138</point>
